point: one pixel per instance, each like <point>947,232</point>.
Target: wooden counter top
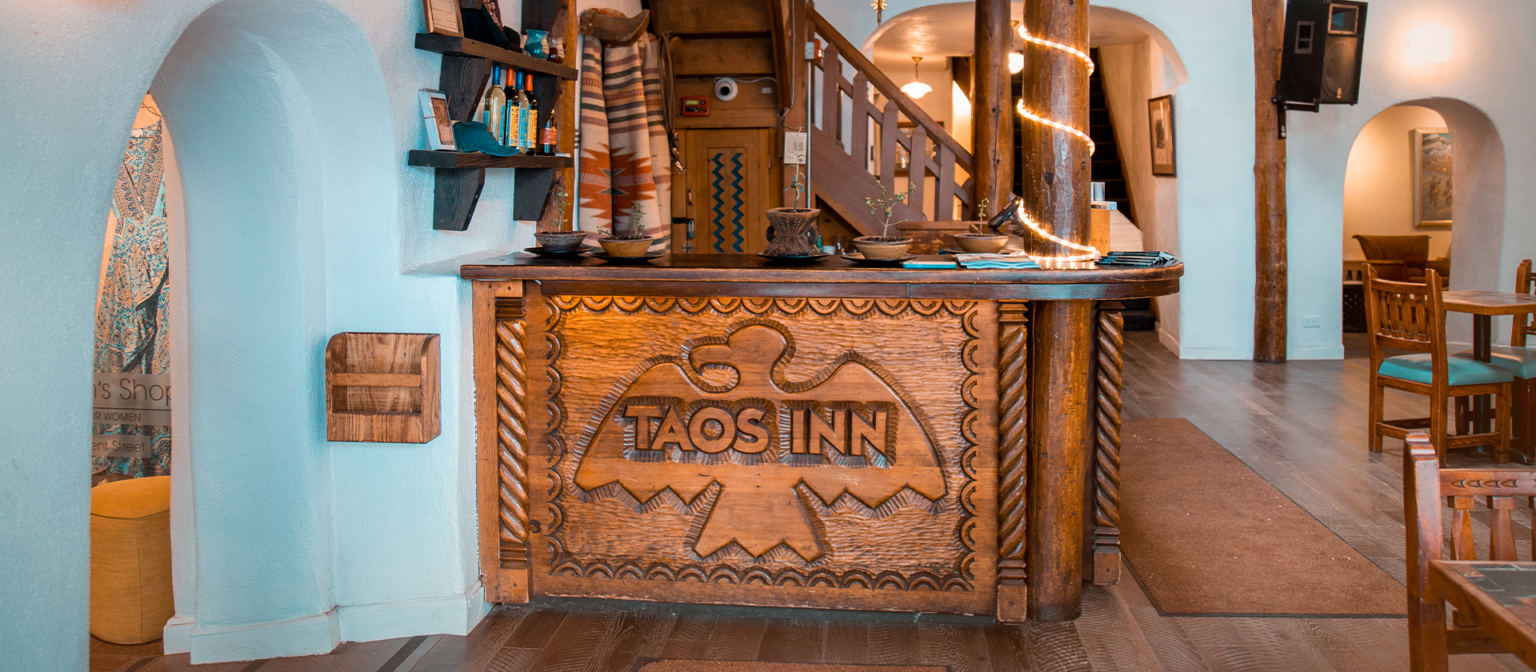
<point>749,275</point>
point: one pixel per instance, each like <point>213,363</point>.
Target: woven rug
<point>750,666</point>
<point>1206,536</point>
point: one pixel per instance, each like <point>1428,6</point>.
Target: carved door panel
<point>729,180</point>
<point>829,453</point>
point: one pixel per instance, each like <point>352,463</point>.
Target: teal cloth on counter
<point>1419,369</point>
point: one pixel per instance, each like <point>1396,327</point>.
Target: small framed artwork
<point>442,17</point>
<point>1431,152</point>
<point>434,113</point>
<point>1160,129</point>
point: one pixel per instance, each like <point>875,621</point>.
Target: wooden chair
<point>1523,285</point>
<point>1411,317</point>
<point>1410,251</point>
<point>1424,485</point>
<point>1520,362</point>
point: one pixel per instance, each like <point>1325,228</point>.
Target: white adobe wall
<point>291,121</point>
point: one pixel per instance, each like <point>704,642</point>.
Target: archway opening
<point>284,142</point>
<point>1431,167</point>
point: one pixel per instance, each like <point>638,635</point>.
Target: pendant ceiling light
<point>915,89</point>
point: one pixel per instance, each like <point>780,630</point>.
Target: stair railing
<point>870,141</point>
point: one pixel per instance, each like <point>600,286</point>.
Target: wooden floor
<point>1300,425</point>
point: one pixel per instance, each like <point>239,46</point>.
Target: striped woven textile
<point>617,140</point>
<point>596,187</point>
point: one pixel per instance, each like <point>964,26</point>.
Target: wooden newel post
<point>992,126</point>
<point>1056,192</point>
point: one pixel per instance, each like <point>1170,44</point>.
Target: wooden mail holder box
<point>382,388</point>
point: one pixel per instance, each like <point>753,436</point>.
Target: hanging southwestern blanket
<point>620,166</point>
<point>656,126</point>
<point>131,310</point>
<point>596,189</point>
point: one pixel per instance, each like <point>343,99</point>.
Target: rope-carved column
<point>1012,459</point>
<point>512,431</point>
<point>1109,365</point>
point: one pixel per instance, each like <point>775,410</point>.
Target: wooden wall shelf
<point>442,159</point>
<point>463,46</point>
<point>382,388</point>
<point>467,64</point>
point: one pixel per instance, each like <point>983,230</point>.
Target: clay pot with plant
<point>979,240</point>
<point>559,241</point>
<point>885,246</point>
<point>632,242</point>
<point>792,232</point>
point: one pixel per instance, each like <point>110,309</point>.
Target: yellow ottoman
<point>131,560</point>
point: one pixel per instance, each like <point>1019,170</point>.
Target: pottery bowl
<point>625,247</point>
<point>876,249</point>
<point>560,241</point>
<point>981,243</point>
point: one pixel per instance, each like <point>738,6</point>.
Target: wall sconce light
<point>1015,62</point>
<point>1429,44</point>
<point>915,89</point>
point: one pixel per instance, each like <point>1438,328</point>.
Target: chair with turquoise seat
<point>1519,361</point>
<point>1411,316</point>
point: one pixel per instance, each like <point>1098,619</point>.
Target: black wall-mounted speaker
<point>1324,43</point>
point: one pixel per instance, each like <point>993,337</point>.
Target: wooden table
<point>724,429</point>
<point>1484,305</point>
<point>1499,596</point>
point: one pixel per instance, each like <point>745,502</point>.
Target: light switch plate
<point>794,148</point>
<point>1311,322</point>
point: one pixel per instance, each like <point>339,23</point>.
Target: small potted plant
<point>978,240</point>
<point>560,241</point>
<point>884,246</point>
<point>633,242</point>
<point>792,232</point>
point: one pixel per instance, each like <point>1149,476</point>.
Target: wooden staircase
<point>856,133</point>
<point>1101,127</point>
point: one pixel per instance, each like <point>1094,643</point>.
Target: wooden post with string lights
<point>1056,191</point>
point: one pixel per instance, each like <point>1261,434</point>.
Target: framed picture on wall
<point>434,113</point>
<point>1431,152</point>
<point>1160,130</point>
<point>442,17</point>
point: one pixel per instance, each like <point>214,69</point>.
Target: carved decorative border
<point>1013,439</point>
<point>961,579</point>
<point>1109,382</point>
<point>512,431</point>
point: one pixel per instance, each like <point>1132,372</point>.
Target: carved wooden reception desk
<point>716,429</point>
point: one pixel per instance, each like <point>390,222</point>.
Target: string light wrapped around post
<point>1022,215</point>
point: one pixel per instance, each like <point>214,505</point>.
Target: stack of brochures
<point>1017,261</point>
<point>1138,259</point>
<point>929,261</point>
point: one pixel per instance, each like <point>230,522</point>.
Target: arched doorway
<point>1381,190</point>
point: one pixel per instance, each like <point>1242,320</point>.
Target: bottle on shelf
<point>513,118</point>
<point>549,138</point>
<point>531,124</point>
<point>526,114</point>
<point>493,107</point>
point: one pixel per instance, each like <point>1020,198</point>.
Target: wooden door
<point>731,188</point>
